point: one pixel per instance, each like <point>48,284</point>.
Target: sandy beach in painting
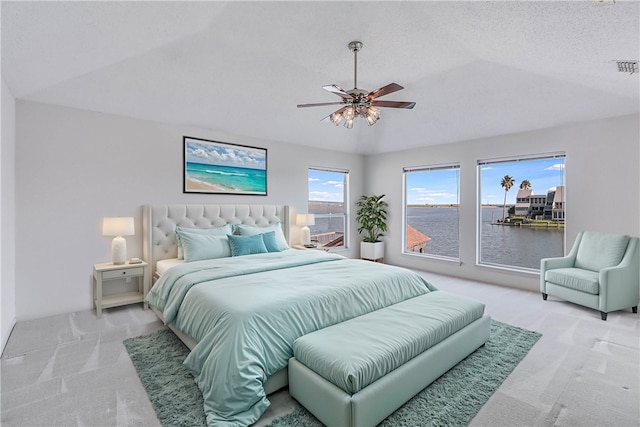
<point>195,185</point>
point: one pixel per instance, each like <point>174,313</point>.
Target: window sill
<point>433,258</point>
<point>527,272</point>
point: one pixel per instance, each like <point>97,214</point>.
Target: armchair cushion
<point>574,278</point>
<point>600,250</point>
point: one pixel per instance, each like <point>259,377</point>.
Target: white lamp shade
<point>305,219</point>
<point>118,227</point>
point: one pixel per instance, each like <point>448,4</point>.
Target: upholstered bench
<point>358,372</point>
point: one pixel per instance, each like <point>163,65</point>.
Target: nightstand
<point>108,271</point>
<point>304,248</point>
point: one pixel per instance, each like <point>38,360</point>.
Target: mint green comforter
<point>246,312</point>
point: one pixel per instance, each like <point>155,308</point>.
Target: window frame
<point>345,195</point>
<point>479,206</point>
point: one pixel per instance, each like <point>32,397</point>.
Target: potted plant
<point>372,218</point>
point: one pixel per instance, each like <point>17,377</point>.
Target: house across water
<point>549,206</point>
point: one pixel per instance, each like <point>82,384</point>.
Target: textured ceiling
<point>475,69</point>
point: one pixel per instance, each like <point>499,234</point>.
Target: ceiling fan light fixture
<point>349,114</point>
<point>348,123</point>
<point>372,116</point>
<point>370,120</point>
<point>336,118</point>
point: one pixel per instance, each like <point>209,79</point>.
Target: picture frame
<point>214,167</point>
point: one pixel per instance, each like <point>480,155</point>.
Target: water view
<point>499,244</point>
<point>225,178</point>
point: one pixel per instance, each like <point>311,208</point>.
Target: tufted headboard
<point>159,222</point>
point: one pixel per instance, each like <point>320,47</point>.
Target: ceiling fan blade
<point>319,104</point>
<point>385,90</point>
<point>393,104</point>
<point>338,91</point>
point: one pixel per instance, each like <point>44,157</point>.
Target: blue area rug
<point>452,400</point>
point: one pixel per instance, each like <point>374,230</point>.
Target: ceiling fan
<point>358,102</point>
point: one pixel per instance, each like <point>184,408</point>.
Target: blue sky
<point>211,153</point>
<point>326,186</point>
<point>439,187</point>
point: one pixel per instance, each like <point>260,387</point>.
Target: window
<point>431,211</point>
<point>328,201</point>
<point>522,206</point>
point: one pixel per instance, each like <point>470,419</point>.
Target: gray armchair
<point>602,272</point>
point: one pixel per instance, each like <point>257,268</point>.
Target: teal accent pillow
<point>269,240</point>
<point>199,246</point>
<point>246,245</point>
<point>217,231</point>
<point>250,230</point>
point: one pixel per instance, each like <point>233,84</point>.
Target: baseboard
<point>5,336</point>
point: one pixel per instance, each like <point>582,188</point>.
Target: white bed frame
<point>158,225</point>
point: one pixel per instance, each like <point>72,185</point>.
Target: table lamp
<point>305,220</point>
<point>118,227</point>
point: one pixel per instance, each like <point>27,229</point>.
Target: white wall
<point>75,167</point>
<point>65,184</point>
<point>7,216</point>
<point>602,178</point>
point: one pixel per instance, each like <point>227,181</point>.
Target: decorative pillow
<point>250,230</point>
<point>218,231</point>
<point>199,246</point>
<point>246,245</point>
<point>269,240</point>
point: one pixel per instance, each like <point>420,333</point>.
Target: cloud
<point>325,196</point>
<point>556,167</point>
<point>227,156</point>
<point>313,179</point>
<point>338,184</point>
<point>426,199</point>
<point>431,193</point>
<point>200,153</point>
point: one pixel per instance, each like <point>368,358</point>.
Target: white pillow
<point>250,230</point>
<point>218,231</point>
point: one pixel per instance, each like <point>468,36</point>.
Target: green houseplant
<point>372,220</point>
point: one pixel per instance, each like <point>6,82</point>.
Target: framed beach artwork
<point>222,168</point>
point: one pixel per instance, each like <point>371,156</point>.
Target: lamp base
<point>118,250</point>
<point>305,235</point>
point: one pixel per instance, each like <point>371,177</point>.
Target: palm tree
<point>506,182</point>
<point>525,184</point>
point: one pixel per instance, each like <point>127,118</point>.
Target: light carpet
<point>452,400</point>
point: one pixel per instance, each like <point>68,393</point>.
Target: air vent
<point>627,66</point>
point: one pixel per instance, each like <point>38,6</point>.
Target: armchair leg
<point>544,296</point>
<point>603,315</point>
<point>634,309</point>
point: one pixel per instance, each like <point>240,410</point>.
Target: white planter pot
<point>371,251</point>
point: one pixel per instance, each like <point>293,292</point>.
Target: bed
<point>241,314</point>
